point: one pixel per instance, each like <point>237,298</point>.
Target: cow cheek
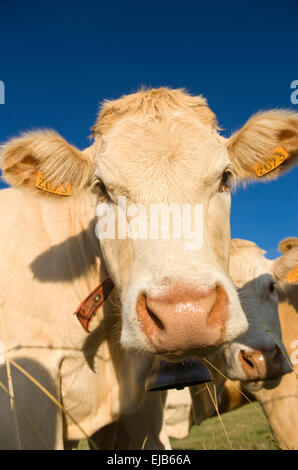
<point>118,257</point>
<point>218,228</point>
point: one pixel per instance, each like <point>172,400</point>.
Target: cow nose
<point>261,365</point>
<point>184,318</point>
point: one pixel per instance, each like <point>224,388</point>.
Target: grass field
<point>247,429</point>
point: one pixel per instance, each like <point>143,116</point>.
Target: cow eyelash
<point>225,181</point>
<point>103,192</point>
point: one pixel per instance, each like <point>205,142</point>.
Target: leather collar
<point>88,308</point>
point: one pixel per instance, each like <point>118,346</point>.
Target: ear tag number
<point>62,190</point>
<point>279,156</point>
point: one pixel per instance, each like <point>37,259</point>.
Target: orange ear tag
<point>279,156</point>
<point>44,185</point>
<point>292,276</point>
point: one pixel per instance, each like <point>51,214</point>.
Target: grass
<point>246,427</point>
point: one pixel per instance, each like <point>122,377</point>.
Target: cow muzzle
<point>261,365</point>
<point>184,318</point>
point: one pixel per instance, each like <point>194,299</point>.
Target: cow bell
<point>165,375</point>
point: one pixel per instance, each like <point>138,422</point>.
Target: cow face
<point>258,354</point>
<point>164,166</point>
<point>161,147</point>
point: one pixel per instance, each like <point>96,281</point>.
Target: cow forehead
<point>178,146</point>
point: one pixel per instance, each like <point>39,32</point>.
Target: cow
<point>249,270</point>
<point>172,297</point>
<point>279,404</point>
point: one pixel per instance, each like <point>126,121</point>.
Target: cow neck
<point>96,282</point>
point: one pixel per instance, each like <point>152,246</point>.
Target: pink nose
<point>184,318</point>
<point>261,365</point>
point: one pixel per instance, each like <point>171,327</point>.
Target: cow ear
<point>287,244</point>
<point>285,268</point>
<point>266,146</point>
<point>47,155</point>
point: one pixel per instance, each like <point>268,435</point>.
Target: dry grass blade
<point>284,353</point>
<point>200,391</point>
<point>215,404</point>
<point>236,388</point>
<point>213,440</point>
<point>10,385</point>
<point>53,399</point>
<point>27,418</point>
<point>144,443</point>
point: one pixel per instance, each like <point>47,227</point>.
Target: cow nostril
<point>154,318</point>
<point>148,318</point>
<point>246,357</point>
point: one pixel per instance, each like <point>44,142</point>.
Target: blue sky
<point>59,59</point>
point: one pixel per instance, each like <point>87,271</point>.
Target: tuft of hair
<point>287,244</point>
<point>47,152</point>
<point>156,102</point>
<point>237,245</point>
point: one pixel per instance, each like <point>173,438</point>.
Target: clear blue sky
<point>59,59</point>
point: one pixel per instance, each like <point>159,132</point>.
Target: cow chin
<point>259,384</point>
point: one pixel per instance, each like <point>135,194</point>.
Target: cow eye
<point>103,192</point>
<point>271,287</point>
<point>225,181</point>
